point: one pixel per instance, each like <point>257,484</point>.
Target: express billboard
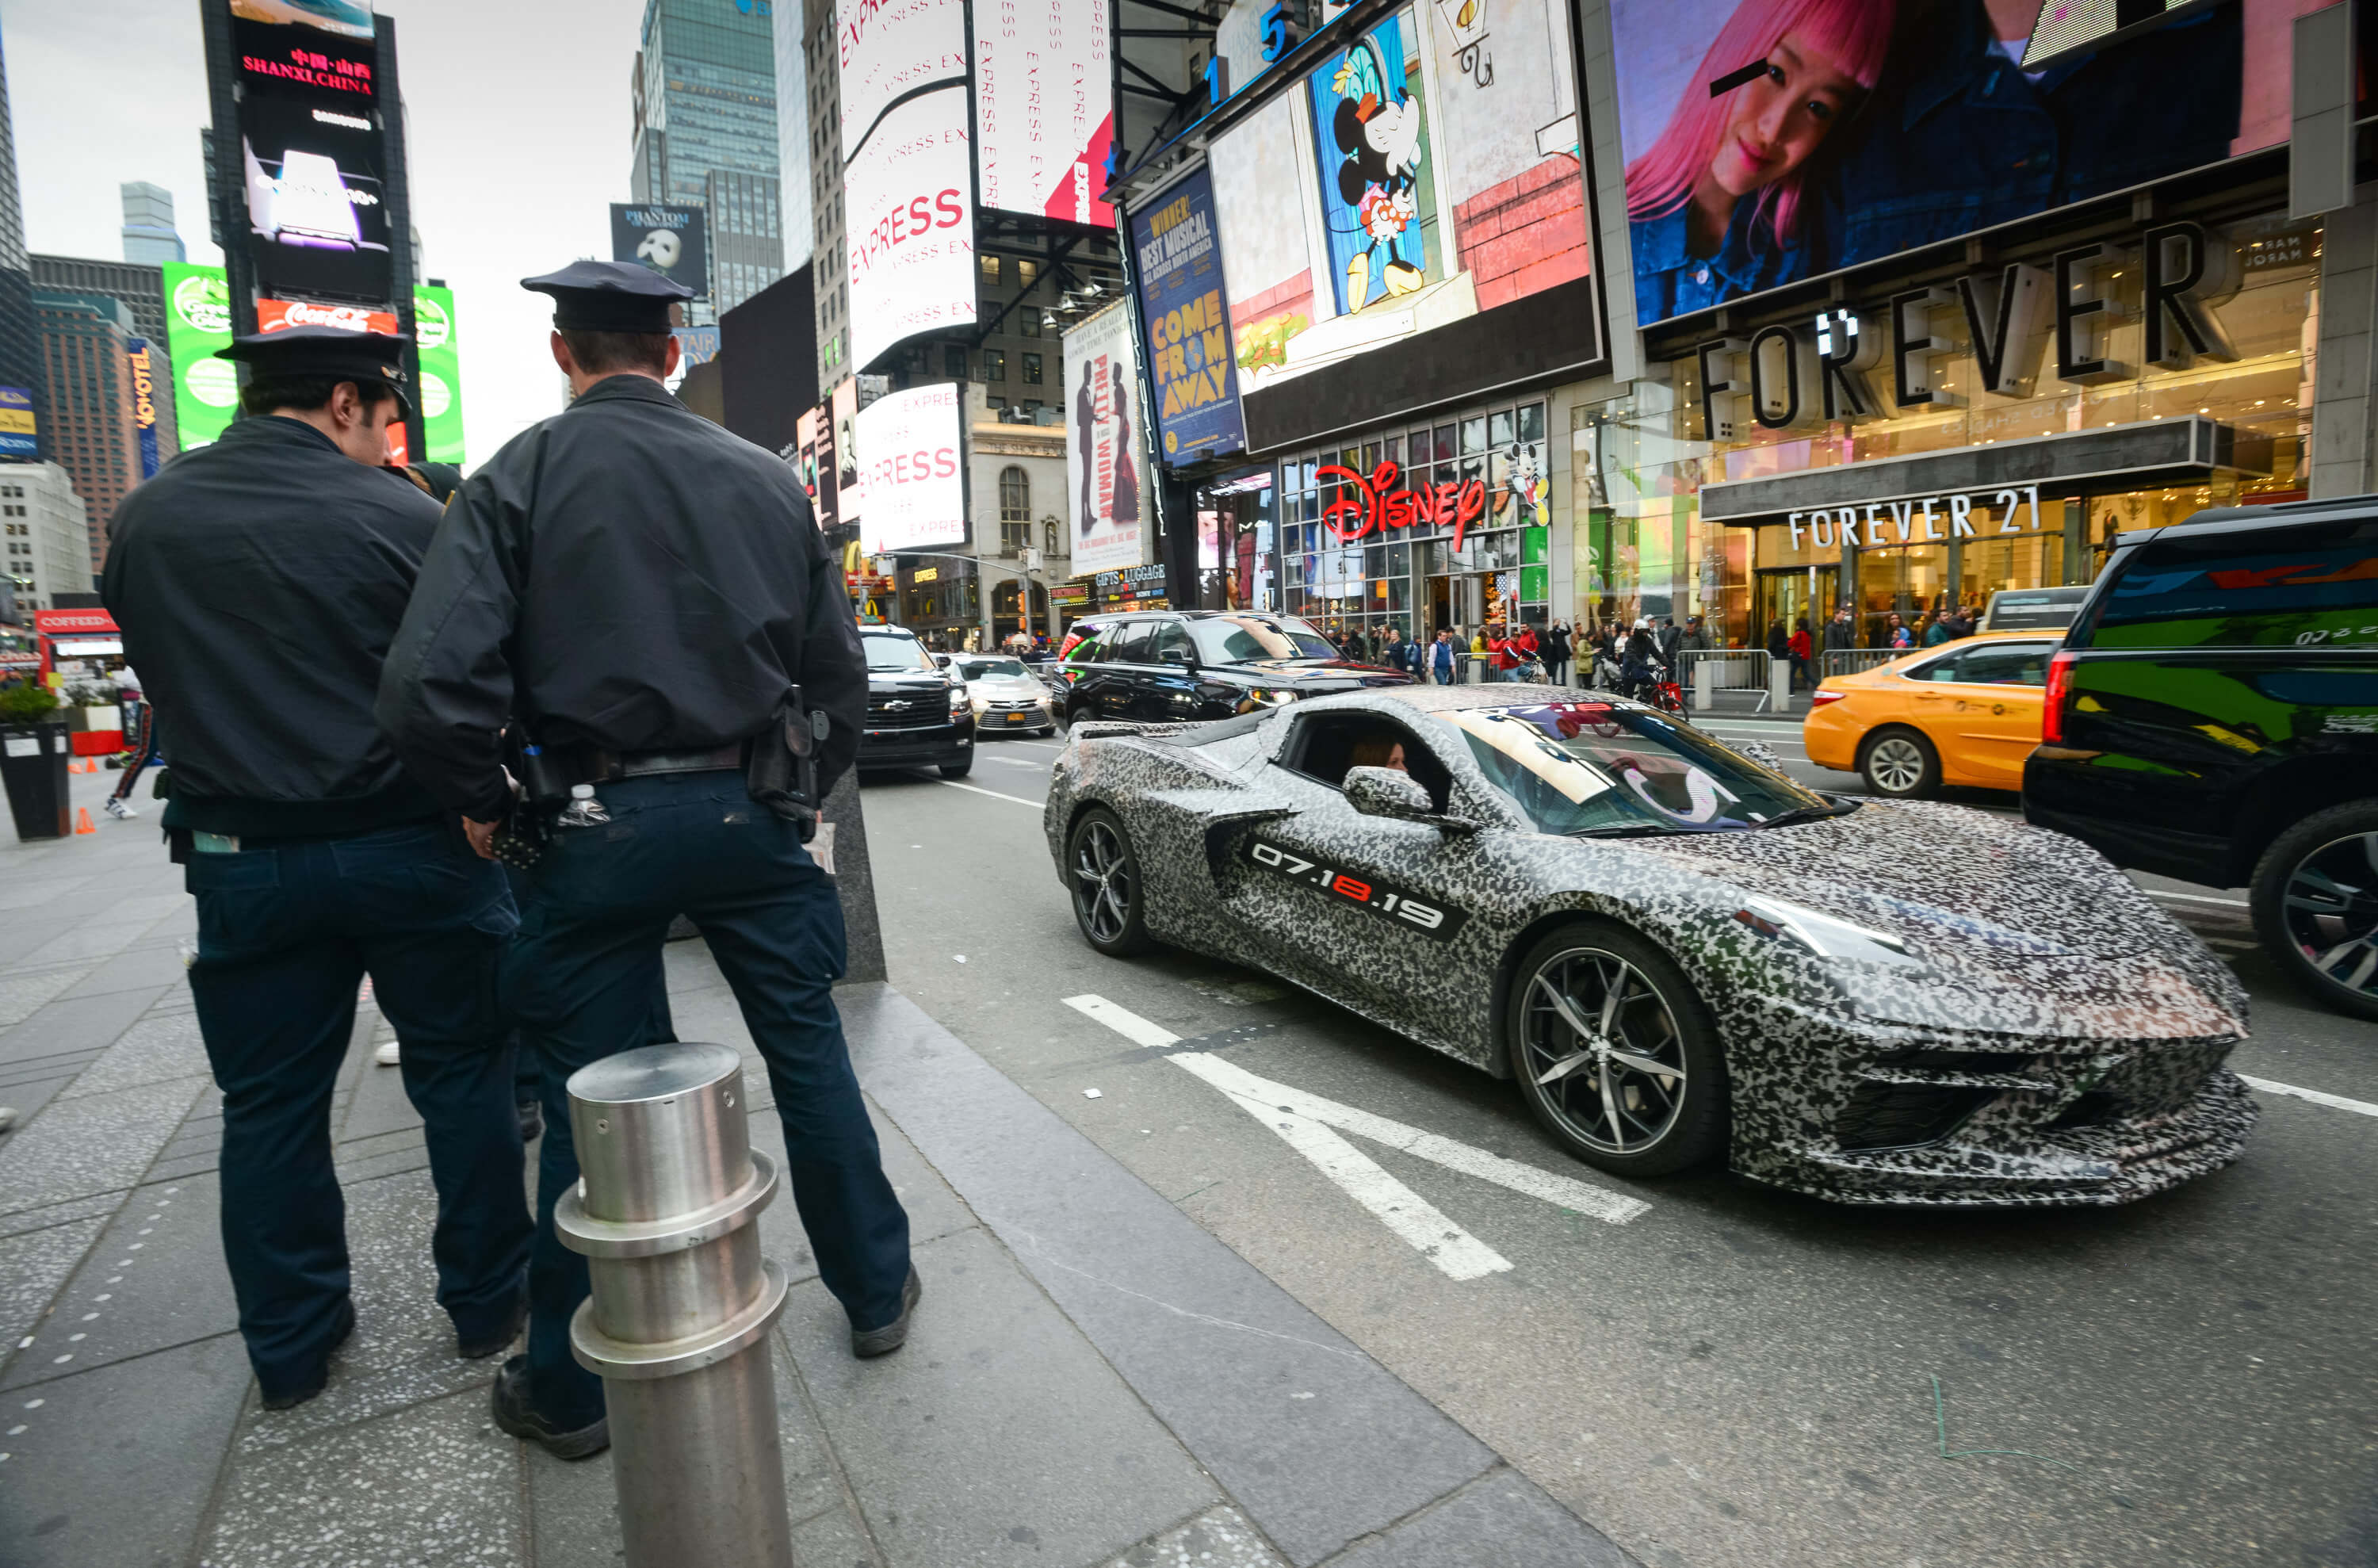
<point>672,241</point>
<point>197,326</point>
<point>909,197</point>
<point>1106,451</point>
<point>885,51</point>
<point>1424,173</point>
<point>915,474</point>
<point>1187,313</point>
<point>1044,107</point>
<point>1767,142</point>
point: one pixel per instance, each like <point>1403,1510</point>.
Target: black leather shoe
<point>299,1393</point>
<point>532,1120</point>
<point>515,1415</point>
<point>480,1349</point>
<point>866,1344</point>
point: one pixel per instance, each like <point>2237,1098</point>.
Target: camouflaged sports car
<point>1680,953</point>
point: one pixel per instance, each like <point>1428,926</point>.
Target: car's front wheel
<point>1615,1052</point>
<point>2315,898</point>
<point>958,769</point>
<point>1901,765</point>
<point>1102,873</point>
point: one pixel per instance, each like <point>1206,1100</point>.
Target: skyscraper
<point>140,288</point>
<point>86,341</point>
<point>21,341</point>
<point>149,233</point>
<point>829,280</point>
<point>704,102</point>
<point>793,161</point>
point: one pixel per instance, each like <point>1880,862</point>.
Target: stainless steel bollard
<point>666,1212</point>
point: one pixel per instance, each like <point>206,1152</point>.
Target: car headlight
<point>1272,696</point>
<point>1823,936</point>
<point>959,706</point>
<point>979,701</point>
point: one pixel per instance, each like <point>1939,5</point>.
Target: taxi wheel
<point>1102,874</point>
<point>1900,764</point>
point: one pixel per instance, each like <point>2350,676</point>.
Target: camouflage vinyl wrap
<point>2054,1035</point>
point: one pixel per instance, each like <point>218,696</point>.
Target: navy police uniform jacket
<point>626,576</point>
<point>259,581</point>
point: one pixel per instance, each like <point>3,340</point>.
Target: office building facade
<point>148,233</point>
<point>140,288</point>
<point>703,94</point>
<point>86,341</point>
<point>45,535</point>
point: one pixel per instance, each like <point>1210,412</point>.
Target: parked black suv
<point>1162,665</point>
<point>2213,716</point>
<point>918,714</point>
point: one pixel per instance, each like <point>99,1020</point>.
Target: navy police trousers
<point>287,929</point>
<point>581,977</point>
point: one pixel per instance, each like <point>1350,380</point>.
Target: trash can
<point>33,769</point>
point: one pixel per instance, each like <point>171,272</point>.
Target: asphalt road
<point>1733,1377</point>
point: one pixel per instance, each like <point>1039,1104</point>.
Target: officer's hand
<point>482,835</point>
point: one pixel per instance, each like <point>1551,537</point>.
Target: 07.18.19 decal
<point>1388,903</point>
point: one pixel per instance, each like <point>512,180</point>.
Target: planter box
<point>33,769</point>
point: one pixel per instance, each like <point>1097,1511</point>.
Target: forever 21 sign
<point>1908,522</point>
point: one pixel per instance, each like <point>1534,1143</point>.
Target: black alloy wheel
<point>1102,874</point>
<point>2315,903</point>
<point>1615,1052</point>
<point>1900,764</point>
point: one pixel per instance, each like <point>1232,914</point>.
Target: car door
<point>1345,900</point>
<point>1166,692</point>
<point>1981,705</point>
<point>1115,678</point>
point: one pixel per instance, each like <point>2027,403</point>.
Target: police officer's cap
<point>305,352</point>
<point>609,297</point>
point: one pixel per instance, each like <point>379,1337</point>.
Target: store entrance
<point>1791,594</point>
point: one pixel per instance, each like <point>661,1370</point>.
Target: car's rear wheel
<point>2315,899</point>
<point>1102,873</point>
<point>1900,764</point>
<point>1615,1052</point>
<point>958,769</point>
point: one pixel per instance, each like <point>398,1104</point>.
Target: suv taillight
<point>2051,708</point>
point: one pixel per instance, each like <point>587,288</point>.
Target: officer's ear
<point>561,354</point>
<point>672,356</point>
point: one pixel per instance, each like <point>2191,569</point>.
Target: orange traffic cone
<point>82,822</point>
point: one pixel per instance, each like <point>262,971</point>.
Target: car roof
<point>2217,520</point>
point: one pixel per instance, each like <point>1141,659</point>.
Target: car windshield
<point>976,669</point>
<point>1603,767</point>
<point>1245,639</point>
<point>895,653</point>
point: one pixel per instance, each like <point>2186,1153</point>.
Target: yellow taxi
<point>1966,712</point>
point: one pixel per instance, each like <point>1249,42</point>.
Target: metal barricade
<point>665,1213</point>
<point>1707,671</point>
<point>1849,661</point>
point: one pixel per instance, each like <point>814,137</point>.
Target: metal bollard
<point>1704,685</point>
<point>1779,685</point>
<point>665,1212</point>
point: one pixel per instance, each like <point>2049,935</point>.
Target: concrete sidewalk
<point>1092,1380</point>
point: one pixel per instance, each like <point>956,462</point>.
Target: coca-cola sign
<point>278,314</point>
<point>1370,503</point>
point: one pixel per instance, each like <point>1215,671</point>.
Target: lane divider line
<point>2334,1102</point>
<point>994,795</point>
<point>1305,1121</point>
<point>2197,897</point>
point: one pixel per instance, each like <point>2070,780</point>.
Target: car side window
<point>1326,745</point>
<point>2005,664</point>
<point>1127,644</point>
<point>1942,669</point>
<point>1171,644</point>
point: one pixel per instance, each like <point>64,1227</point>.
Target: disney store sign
<point>1370,503</point>
<point>1913,521</point>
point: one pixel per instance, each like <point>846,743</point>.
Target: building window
<point>991,268</point>
<point>1015,510</point>
<point>1026,272</point>
<point>1030,317</point>
<point>994,365</point>
<point>954,361</point>
<point>1031,369</point>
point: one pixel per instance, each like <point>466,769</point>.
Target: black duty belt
<point>638,765</point>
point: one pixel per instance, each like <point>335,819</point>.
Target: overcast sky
<point>518,117</point>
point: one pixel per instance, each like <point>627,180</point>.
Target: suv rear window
<point>2279,587</point>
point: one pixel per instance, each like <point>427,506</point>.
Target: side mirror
<point>1388,791</point>
<point>941,660</point>
<point>1173,655</point>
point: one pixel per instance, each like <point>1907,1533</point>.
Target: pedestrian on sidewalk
<point>315,857</point>
<point>557,595</point>
<point>139,748</point>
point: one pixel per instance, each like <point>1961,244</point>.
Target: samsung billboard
<point>1768,141</point>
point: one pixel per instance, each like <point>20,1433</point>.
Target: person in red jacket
<point>1803,648</point>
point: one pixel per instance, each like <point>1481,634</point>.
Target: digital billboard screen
<point>908,199</point>
<point>275,55</point>
<point>144,404</point>
<point>198,325</point>
<point>438,347</point>
<point>343,19</point>
<point>1106,448</point>
<point>1767,142</point>
<point>841,443</point>
<point>909,443</point>
<point>317,213</point>
<point>1044,107</point>
<point>19,428</point>
<point>672,241</point>
<point>885,51</point>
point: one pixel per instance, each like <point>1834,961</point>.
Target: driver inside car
<point>1378,751</point>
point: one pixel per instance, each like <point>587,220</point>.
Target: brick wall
<point>1527,234</point>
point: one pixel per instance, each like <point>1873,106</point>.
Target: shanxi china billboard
<point>1424,177</point>
<point>1771,141</point>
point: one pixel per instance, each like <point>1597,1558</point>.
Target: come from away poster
<point>1188,320</point>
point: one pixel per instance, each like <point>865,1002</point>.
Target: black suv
<point>1165,665</point>
<point>918,714</point>
<point>2213,716</point>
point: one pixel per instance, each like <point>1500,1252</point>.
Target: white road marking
<point>2334,1102</point>
<point>2197,897</point>
<point>1304,1122</point>
<point>994,795</point>
<point>1019,762</point>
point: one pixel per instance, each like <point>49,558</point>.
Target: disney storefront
<point>1422,527</point>
<point>1980,461</point>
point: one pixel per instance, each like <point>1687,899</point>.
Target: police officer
<point>635,590</point>
<point>259,581</point>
